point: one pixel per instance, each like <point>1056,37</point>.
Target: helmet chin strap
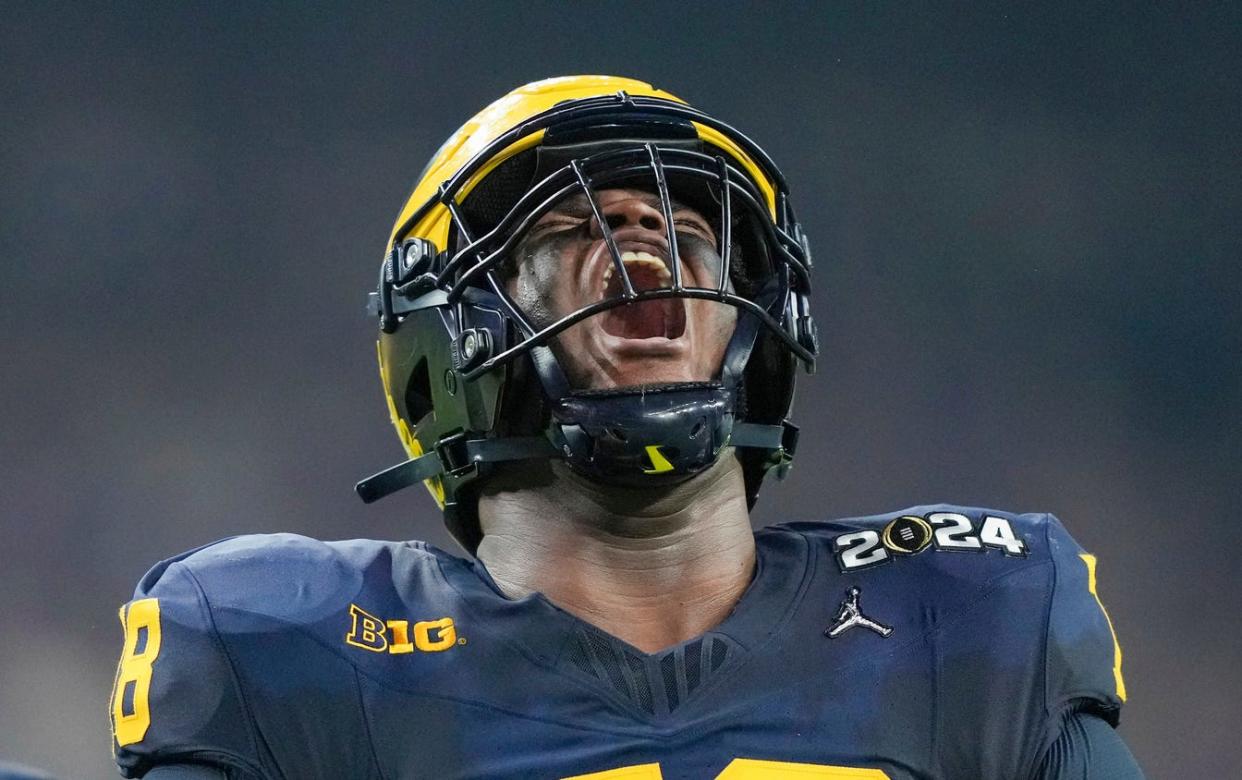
<point>632,436</point>
<point>647,435</point>
<point>654,434</point>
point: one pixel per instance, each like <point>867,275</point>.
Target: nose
<point>629,212</point>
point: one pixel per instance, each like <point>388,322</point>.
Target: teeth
<point>641,259</point>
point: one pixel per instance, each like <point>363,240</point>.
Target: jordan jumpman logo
<point>849,615</point>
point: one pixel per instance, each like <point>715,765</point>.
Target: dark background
<point>1026,226</point>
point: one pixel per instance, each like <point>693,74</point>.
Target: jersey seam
<point>808,576</point>
<point>1042,743</point>
<point>366,723</point>
<point>986,589</point>
<point>520,647</point>
<point>251,727</point>
<point>1079,700</point>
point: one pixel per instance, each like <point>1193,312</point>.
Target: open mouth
<point>664,318</point>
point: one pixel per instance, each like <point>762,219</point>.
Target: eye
<point>695,227</point>
<point>554,224</point>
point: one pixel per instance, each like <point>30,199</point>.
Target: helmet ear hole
<point>418,392</point>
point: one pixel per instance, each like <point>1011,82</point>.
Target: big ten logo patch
<point>397,636</point>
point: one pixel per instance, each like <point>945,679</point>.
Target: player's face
<point>563,264</point>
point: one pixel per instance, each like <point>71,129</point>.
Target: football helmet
<point>472,380</point>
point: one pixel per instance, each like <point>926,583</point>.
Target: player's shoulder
<point>290,577</point>
<point>978,571</point>
<point>930,539</point>
<point>224,619</point>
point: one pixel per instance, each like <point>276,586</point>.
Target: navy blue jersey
<point>934,642</point>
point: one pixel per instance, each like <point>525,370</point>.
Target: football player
<point>591,310</point>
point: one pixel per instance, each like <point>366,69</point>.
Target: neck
<point>653,567</point>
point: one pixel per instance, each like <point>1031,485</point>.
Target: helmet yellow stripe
<point>434,226</point>
<point>719,139</point>
<point>520,145</point>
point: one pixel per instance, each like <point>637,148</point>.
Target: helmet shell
<point>421,364</point>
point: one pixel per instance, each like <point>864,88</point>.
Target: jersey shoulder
<point>206,627</point>
<point>1022,572</point>
<point>286,577</point>
<point>914,534</point>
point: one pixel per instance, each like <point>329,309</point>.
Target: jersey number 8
<point>131,711</point>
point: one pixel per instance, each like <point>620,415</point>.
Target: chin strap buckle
<point>782,459</point>
<point>781,441</point>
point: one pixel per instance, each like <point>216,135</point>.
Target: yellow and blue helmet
<point>470,379</point>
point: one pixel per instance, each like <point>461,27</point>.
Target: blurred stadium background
<point>1027,235</point>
